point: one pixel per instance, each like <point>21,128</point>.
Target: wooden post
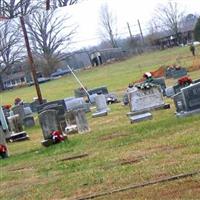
<point>47,4</point>
<point>30,57</point>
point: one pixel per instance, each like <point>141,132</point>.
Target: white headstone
<point>3,120</point>
<point>75,104</point>
<point>142,100</point>
<point>15,124</point>
<point>81,121</point>
<point>101,104</point>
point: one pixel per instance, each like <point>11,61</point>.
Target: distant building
<point>110,54</point>
<point>184,36</point>
<point>14,77</point>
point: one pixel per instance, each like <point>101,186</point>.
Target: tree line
<point>49,34</point>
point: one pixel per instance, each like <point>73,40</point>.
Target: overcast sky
<point>86,15</point>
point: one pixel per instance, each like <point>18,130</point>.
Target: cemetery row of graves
<point>60,119</point>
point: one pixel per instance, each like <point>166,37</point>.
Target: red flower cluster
<point>3,148</point>
<point>57,136</point>
<point>184,81</point>
<point>7,106</point>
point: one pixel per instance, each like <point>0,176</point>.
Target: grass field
<point>119,153</point>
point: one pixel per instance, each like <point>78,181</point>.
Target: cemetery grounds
<point>115,154</point>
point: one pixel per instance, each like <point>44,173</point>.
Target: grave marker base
<point>187,113</point>
<point>100,114</point>
<point>140,117</point>
<point>164,106</point>
<point>49,142</point>
<point>15,137</point>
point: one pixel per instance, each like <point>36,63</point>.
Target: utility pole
<point>129,29</point>
<point>31,62</point>
<point>47,5</point>
<point>141,32</point>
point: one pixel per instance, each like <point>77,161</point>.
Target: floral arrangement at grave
<point>18,101</point>
<point>57,136</point>
<point>148,77</point>
<point>7,106</point>
<point>147,82</point>
<point>155,74</point>
<point>145,85</point>
<point>184,81</point>
<point>3,151</point>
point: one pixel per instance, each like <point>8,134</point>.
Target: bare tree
<point>10,48</point>
<point>108,25</point>
<point>10,45</point>
<point>61,3</point>
<point>49,36</point>
<point>15,8</point>
<point>169,17</point>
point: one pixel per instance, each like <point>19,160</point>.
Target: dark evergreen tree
<point>197,30</point>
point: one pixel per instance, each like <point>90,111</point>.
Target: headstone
<point>170,91</point>
<point>70,118</point>
<point>99,90</point>
<point>25,104</point>
<point>49,122</point>
<point>51,104</point>
<point>19,110</point>
<point>27,111</point>
<point>161,83</point>
<point>75,104</point>
<point>3,120</point>
<point>174,72</point>
<point>142,100</point>
<point>15,124</point>
<point>100,101</point>
<point>187,102</point>
<point>59,106</point>
<point>178,101</point>
<point>168,72</point>
<point>4,132</point>
<point>35,104</point>
<point>191,97</point>
<point>80,92</point>
<point>29,121</point>
<point>101,106</point>
<point>17,132</point>
<point>3,146</point>
<point>177,88</point>
<point>81,121</point>
<point>92,98</point>
<point>179,73</point>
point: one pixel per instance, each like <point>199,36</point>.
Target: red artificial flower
<point>3,148</point>
<point>57,136</point>
<point>7,106</point>
<point>184,81</point>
